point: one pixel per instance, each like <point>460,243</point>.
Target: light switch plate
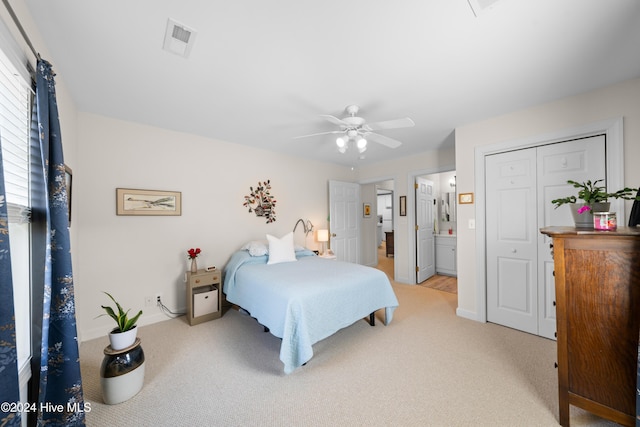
<point>472,224</point>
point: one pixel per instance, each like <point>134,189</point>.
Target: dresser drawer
<point>205,279</point>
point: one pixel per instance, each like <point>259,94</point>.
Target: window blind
<point>14,134</point>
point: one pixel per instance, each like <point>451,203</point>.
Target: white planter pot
<point>585,219</point>
<point>122,340</point>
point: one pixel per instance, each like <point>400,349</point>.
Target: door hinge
<point>415,185</point>
<point>417,228</point>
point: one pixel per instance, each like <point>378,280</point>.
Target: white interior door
<point>344,199</point>
<point>520,186</point>
<point>425,240</point>
<point>512,236</point>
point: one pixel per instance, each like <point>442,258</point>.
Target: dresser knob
<point>197,280</point>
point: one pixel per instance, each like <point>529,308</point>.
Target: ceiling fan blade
<point>319,133</point>
<point>391,124</point>
<point>381,139</point>
<point>334,120</point>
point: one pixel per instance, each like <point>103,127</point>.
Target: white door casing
<point>344,221</point>
<point>613,129</point>
<point>425,241</point>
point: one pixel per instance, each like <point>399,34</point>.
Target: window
<point>15,121</point>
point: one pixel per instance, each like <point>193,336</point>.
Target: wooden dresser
<point>389,242</point>
<point>597,281</point>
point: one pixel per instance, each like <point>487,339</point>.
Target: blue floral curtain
<point>9,387</point>
<point>60,380</point>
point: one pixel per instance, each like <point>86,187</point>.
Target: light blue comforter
<point>307,300</point>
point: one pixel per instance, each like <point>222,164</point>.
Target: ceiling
<point>262,72</point>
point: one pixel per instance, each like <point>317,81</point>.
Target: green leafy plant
<point>121,317</point>
<point>590,193</point>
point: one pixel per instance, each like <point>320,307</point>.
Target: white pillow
<point>257,247</point>
<point>281,250</point>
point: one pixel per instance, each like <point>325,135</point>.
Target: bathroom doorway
<point>444,232</point>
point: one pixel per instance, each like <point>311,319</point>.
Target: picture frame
<point>131,201</point>
<point>403,205</point>
<point>366,210</point>
<point>68,181</point>
<point>465,198</point>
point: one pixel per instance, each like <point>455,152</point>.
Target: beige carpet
<point>427,368</point>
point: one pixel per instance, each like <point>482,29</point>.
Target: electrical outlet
<point>151,300</point>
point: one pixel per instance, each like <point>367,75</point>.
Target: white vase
<point>194,265</point>
<point>122,340</point>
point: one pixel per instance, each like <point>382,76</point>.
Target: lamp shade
<point>323,235</point>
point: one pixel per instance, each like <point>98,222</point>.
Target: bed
<point>305,301</point>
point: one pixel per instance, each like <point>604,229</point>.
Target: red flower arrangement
<point>193,253</point>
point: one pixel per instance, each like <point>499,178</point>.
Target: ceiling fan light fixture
<point>362,145</point>
<point>352,133</point>
<point>341,142</point>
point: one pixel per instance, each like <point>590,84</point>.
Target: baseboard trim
<point>471,315</point>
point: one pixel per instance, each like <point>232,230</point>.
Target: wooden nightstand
<point>328,256</point>
<point>204,296</point>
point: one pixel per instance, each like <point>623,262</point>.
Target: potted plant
<point>594,198</point>
<point>124,335</point>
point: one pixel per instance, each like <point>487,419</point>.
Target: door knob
<point>513,250</point>
<point>333,234</point>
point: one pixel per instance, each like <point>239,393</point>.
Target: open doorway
<point>443,227</point>
<point>385,227</point>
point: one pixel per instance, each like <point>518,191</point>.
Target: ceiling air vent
<point>178,38</point>
<point>478,6</point>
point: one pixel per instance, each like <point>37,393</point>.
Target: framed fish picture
<point>148,202</point>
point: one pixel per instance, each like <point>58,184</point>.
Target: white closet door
<point>520,186</point>
<point>579,160</point>
<point>512,274</point>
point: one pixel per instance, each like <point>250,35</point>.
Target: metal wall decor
<point>261,201</point>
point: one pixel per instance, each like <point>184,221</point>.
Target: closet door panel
<point>512,239</point>
<point>578,160</point>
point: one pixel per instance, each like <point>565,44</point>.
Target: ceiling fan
<point>354,128</point>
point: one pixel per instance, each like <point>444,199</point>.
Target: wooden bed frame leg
<point>372,319</point>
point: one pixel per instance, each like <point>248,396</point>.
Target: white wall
<point>621,100</point>
<point>137,256</point>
